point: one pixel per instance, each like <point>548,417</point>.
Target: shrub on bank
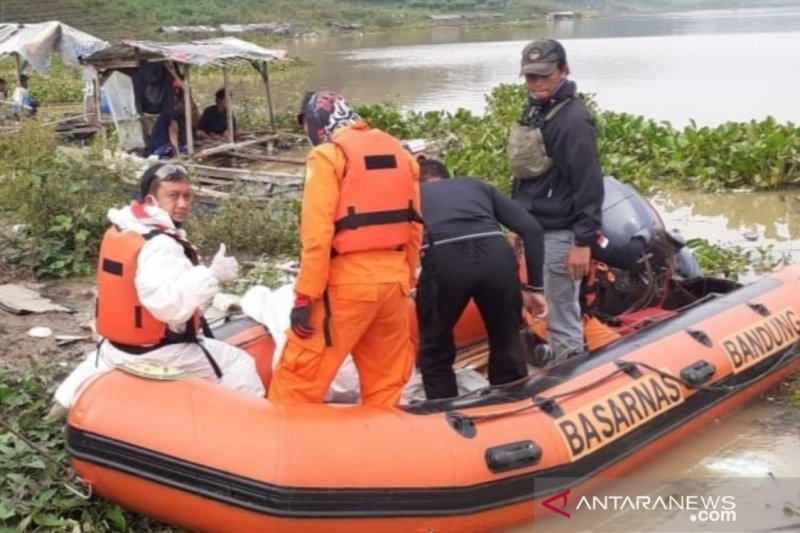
<point>248,227</point>
<point>53,210</point>
<point>35,493</point>
<point>649,155</point>
<point>56,205</point>
<point>60,203</point>
<point>62,84</point>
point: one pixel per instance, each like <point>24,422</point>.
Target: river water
<point>709,67</point>
<point>750,456</point>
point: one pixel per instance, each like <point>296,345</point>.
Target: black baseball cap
<point>541,57</point>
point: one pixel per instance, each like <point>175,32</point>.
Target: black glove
<point>300,317</point>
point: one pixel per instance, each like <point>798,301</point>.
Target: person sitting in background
<point>168,137</point>
<point>214,120</point>
<point>21,101</point>
<point>150,288</point>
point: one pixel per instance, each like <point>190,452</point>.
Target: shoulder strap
<point>188,250</point>
<point>190,333</point>
<point>556,108</point>
<point>528,113</point>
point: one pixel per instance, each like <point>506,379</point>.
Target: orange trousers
<point>368,321</point>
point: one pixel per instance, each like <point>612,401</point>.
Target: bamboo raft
<point>264,166</point>
<point>259,165</point>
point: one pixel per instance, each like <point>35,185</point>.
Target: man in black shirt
<point>214,120</point>
<point>557,179</point>
<point>466,255</point>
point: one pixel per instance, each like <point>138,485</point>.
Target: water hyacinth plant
<point>649,155</point>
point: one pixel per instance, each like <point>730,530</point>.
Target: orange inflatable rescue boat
<point>189,453</point>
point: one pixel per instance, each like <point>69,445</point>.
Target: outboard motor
<point>637,249</point>
<point>631,226</point>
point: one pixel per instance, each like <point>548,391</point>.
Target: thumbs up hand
<point>224,268</point>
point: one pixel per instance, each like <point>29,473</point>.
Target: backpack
<point>527,153</point>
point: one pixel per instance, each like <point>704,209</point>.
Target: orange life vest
<point>375,209</point>
<point>120,316</point>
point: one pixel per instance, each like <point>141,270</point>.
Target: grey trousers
<point>564,325</point>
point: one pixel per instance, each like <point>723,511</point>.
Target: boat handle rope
<point>577,348</point>
<point>540,402</point>
<point>74,483</point>
<point>611,335</point>
<point>788,354</point>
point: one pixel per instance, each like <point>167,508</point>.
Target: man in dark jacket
<point>168,137</point>
<point>466,256</point>
<point>557,178</point>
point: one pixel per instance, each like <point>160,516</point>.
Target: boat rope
<point>788,354</point>
<point>74,483</point>
<point>540,402</point>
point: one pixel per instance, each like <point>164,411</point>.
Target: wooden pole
<point>229,146</point>
<point>263,70</point>
<point>102,78</point>
<point>97,111</point>
<point>18,68</point>
<point>229,108</point>
<point>96,99</point>
<point>187,104</point>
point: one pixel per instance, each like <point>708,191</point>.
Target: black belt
<point>462,238</point>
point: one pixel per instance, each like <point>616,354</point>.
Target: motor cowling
<point>636,249</point>
<point>631,228</point>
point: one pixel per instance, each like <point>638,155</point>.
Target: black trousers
<point>486,271</point>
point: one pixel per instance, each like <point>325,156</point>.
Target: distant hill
<point>93,20</point>
<point>112,19</point>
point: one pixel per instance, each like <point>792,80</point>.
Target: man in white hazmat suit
<point>151,285</point>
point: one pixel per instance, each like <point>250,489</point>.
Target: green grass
<point>131,19</point>
<point>33,460</point>
<point>62,83</point>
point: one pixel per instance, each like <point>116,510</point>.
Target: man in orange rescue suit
<point>150,286</point>
<point>360,231</point>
